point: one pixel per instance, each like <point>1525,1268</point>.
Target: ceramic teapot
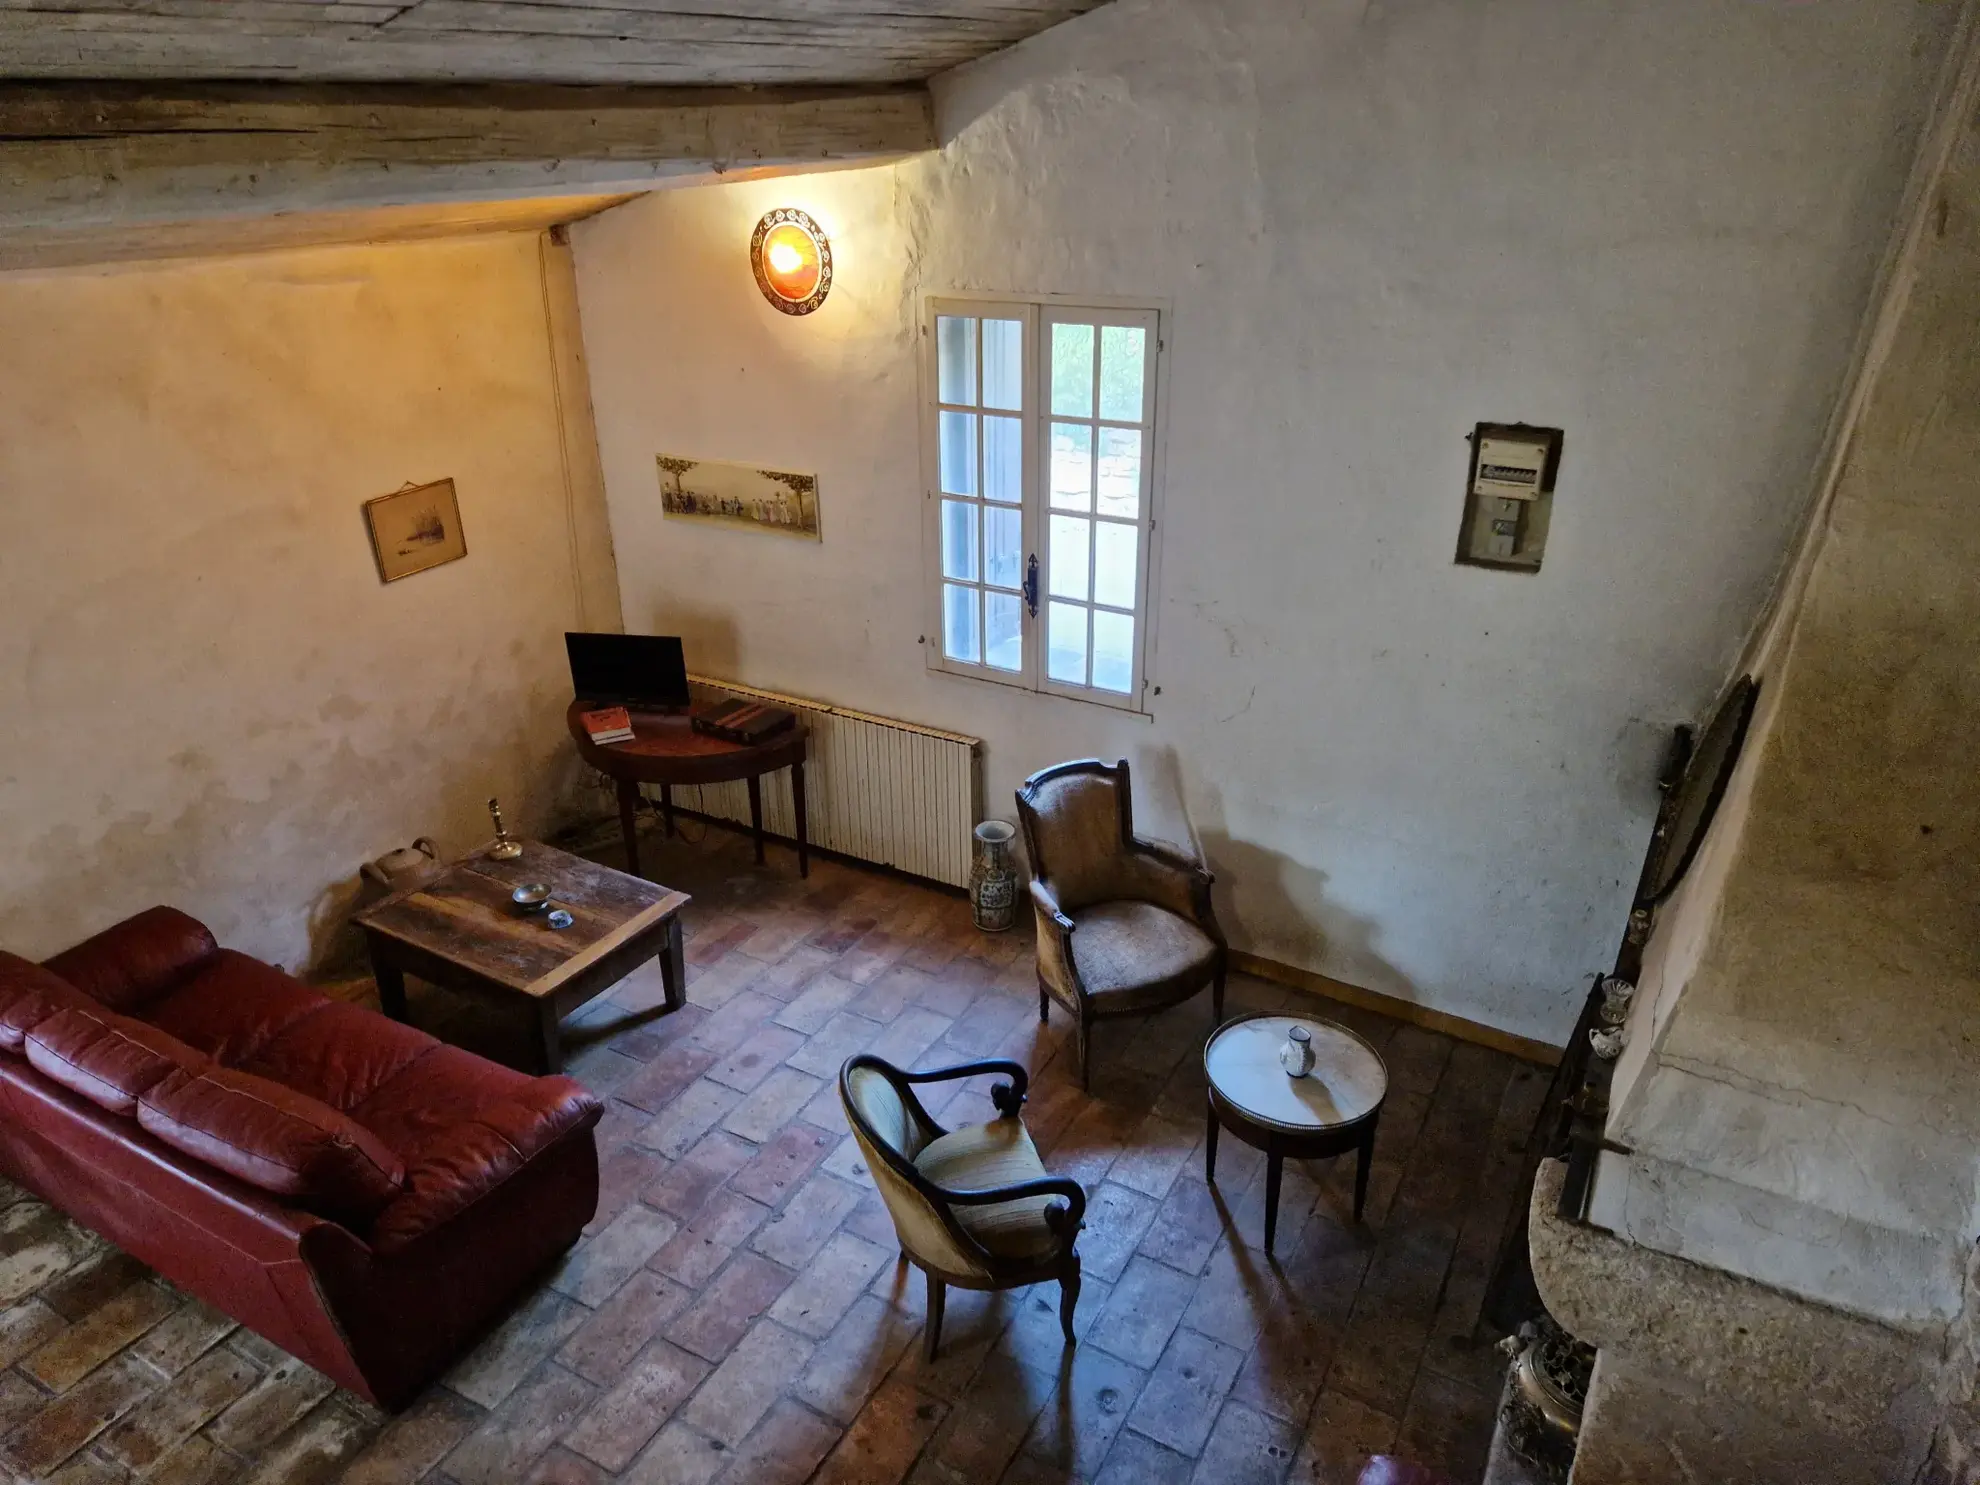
<point>401,868</point>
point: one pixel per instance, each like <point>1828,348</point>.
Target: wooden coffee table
<point>461,930</point>
<point>1331,1110</point>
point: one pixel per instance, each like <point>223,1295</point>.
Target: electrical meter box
<point>1509,496</point>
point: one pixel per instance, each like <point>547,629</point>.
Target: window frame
<point>1037,312</point>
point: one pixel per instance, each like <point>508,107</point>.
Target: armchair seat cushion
<point>984,1156</point>
<point>1135,952</point>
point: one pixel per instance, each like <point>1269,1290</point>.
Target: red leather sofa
<point>362,1195</point>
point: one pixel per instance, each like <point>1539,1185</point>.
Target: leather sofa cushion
<point>29,995</point>
<point>109,1059</point>
<point>464,1126</point>
<point>273,1137</point>
<point>341,1054</point>
<point>138,959</point>
<point>233,1006</point>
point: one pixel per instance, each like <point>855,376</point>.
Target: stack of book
<point>740,721</point>
<point>610,724</point>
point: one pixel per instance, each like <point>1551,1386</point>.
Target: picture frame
<point>717,492</point>
<point>415,529</point>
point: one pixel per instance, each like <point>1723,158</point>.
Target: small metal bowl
<point>531,897</point>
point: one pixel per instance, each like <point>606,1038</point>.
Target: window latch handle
<point>1031,585</point>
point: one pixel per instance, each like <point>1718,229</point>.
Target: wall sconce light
<point>793,260</point>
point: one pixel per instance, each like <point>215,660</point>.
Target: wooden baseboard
<point>1522,1047</point>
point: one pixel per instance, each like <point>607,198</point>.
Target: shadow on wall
<point>708,640</point>
<point>335,946</point>
<point>1277,908</point>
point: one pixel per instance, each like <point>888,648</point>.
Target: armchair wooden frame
<point>998,1271</point>
<point>1058,972</point>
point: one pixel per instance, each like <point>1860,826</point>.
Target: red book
<point>609,724</point>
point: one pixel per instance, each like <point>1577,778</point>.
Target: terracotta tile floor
<point>736,1312</point>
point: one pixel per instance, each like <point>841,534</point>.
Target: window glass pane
<point>1065,643</point>
<point>1003,459</point>
<point>1070,535</point>
<point>1120,472</point>
<point>1113,563</point>
<point>1113,651</point>
<point>959,637</point>
<point>1121,350</point>
<point>1003,547</point>
<point>958,453</point>
<point>1072,370</point>
<point>1072,466</point>
<point>1003,363</point>
<point>959,540</point>
<point>955,354</point>
<point>1004,631</point>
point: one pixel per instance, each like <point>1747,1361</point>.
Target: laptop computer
<point>645,671</point>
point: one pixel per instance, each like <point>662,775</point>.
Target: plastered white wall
<point>207,697</point>
<point>1651,222</point>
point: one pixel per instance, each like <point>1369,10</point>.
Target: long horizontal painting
<point>739,495</point>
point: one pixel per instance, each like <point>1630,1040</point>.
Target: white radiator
<point>875,788</point>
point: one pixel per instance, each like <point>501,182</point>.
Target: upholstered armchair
<point>973,1207</point>
<point>1124,924</point>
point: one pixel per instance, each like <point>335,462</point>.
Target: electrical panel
<point>1509,496</point>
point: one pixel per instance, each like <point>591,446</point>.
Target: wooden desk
<point>461,930</point>
<point>666,750</point>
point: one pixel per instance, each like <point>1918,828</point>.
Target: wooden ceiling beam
<point>77,158</point>
<point>650,42</point>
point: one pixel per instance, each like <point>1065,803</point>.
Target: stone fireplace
<point>1777,1266</point>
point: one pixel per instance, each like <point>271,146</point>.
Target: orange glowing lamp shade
<point>792,258</point>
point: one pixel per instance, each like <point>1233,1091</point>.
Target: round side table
<point>1331,1110</point>
<point>666,750</point>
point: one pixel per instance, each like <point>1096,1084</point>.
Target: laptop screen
<point>628,669</point>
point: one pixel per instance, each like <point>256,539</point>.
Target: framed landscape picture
<point>414,529</point>
<point>739,495</point>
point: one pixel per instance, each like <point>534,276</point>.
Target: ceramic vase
<point>1296,1056</point>
<point>992,882</point>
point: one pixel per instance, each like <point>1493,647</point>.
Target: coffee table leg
<point>797,803</point>
<point>549,1038</point>
<point>1274,1168</point>
<point>1364,1157</point>
<point>756,813</point>
<point>1210,1149</point>
<point>391,986</point>
<point>629,824</point>
<point>667,810</point>
<point>673,967</point>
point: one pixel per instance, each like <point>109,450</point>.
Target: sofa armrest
<point>138,959</point>
<point>474,1158</point>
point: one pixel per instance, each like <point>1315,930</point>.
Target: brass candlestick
<point>506,847</point>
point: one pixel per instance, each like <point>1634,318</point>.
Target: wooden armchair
<point>1125,925</point>
<point>973,1207</point>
